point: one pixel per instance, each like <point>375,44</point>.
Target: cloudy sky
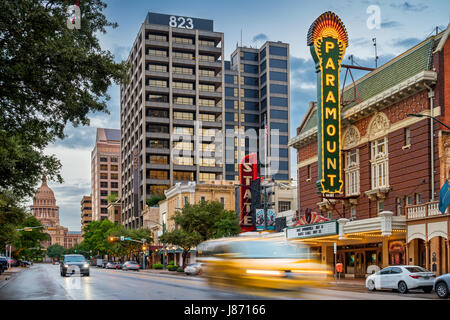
<point>397,25</point>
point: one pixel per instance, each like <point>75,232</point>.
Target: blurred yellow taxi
<point>261,263</point>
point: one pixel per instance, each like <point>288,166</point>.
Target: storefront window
<point>350,262</point>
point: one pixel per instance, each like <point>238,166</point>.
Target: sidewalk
<point>159,271</point>
<point>358,283</point>
<point>8,274</point>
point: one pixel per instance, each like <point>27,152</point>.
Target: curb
<point>9,274</point>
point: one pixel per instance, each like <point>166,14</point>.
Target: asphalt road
<point>43,282</point>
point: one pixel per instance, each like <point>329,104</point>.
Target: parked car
<point>402,278</point>
<point>110,265</point>
<point>130,265</point>
<point>117,265</point>
<point>104,263</point>
<point>3,264</point>
<point>25,263</point>
<point>442,285</point>
<point>72,262</point>
<point>193,268</point>
<point>55,262</point>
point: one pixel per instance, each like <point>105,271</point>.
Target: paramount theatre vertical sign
<point>327,39</point>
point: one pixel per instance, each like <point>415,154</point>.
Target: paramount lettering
<point>328,40</point>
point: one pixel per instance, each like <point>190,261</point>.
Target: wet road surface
<point>43,282</point>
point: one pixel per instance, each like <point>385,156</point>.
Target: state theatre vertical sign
<point>248,173</point>
<point>327,39</point>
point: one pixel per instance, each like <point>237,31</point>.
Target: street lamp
<point>418,115</point>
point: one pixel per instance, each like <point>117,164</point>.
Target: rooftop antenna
<point>351,59</point>
<point>376,56</point>
<point>241,37</point>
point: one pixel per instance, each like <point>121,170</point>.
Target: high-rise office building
<point>105,171</point>
<point>171,109</point>
<point>256,96</point>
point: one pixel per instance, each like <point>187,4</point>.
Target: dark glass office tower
<point>257,97</point>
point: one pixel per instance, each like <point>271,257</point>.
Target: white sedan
<point>193,269</point>
<point>401,278</point>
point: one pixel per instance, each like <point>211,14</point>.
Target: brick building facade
<point>388,160</point>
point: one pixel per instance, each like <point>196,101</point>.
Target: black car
<point>3,264</point>
<point>72,263</point>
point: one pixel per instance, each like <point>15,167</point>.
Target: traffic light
<point>112,239</point>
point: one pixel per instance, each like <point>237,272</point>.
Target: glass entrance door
<point>360,265</point>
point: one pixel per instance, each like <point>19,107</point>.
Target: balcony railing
<point>425,210</point>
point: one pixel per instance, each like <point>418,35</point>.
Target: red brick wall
<point>407,168</point>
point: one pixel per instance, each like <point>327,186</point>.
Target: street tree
<point>12,215</point>
<point>55,251</point>
<point>183,239</point>
<point>208,218</point>
<point>50,76</point>
<point>27,241</point>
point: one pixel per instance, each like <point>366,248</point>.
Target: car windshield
<point>416,269</point>
<point>131,262</point>
<point>266,249</point>
<point>74,259</point>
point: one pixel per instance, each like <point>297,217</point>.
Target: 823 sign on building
<point>179,21</point>
<point>328,40</point>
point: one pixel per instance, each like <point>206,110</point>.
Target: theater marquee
<point>328,40</point>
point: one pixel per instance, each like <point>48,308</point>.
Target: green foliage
<point>55,251</point>
<point>200,222</point>
<point>172,268</point>
<point>28,243</point>
<point>112,197</point>
<point>96,239</point>
<point>157,266</point>
<point>12,214</point>
<point>154,199</point>
<point>209,219</point>
<point>50,76</point>
<point>180,269</point>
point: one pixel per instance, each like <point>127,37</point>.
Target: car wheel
<point>63,274</point>
<point>402,287</point>
<point>371,285</point>
<point>442,290</point>
<point>86,274</point>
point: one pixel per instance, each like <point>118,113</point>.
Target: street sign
<point>335,248</point>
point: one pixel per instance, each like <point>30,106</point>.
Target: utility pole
<point>376,55</point>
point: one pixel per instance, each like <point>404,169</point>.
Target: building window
<point>330,215</point>
<point>309,173</point>
<point>407,136</point>
<point>380,164</point>
<point>202,198</point>
<point>205,176</point>
<point>352,172</point>
<point>186,201</point>
<point>353,212</point>
<point>284,206</point>
<point>418,198</point>
<point>103,193</point>
<point>103,159</point>
<point>409,201</point>
<point>103,184</point>
<point>104,167</point>
<point>399,206</point>
<point>380,206</point>
<point>222,200</point>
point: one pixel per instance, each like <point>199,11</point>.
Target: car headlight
<point>66,266</point>
<point>86,265</point>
